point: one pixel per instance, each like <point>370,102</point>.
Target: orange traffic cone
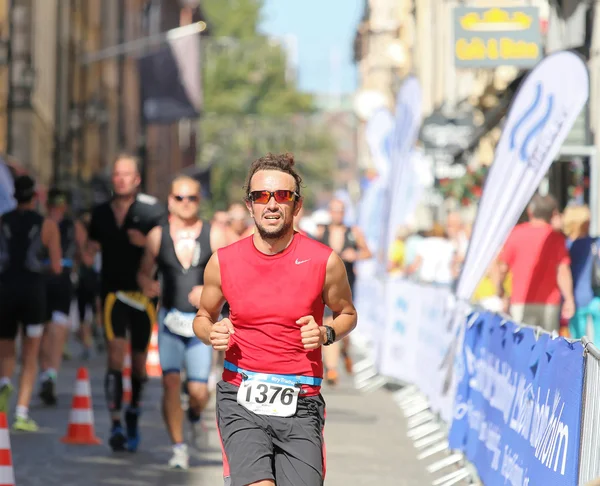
<point>127,376</point>
<point>7,475</point>
<point>153,368</point>
<point>81,420</point>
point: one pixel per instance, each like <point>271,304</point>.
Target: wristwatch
<point>330,335</point>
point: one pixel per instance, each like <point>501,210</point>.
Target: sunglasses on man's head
<point>192,198</point>
<point>281,196</point>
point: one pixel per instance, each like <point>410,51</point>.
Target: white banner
<point>378,132</point>
<point>7,188</point>
<point>435,338</point>
<point>367,298</point>
<point>398,348</point>
<point>406,130</point>
<point>418,334</point>
<point>541,116</point>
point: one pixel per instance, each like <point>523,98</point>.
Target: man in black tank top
<point>351,245</point>
<point>24,235</point>
<point>181,249</point>
<point>118,229</point>
<point>59,294</point>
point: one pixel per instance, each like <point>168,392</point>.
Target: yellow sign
<point>488,37</point>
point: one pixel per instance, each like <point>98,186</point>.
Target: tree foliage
<point>252,106</point>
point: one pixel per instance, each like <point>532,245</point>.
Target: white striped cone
<point>153,368</point>
<point>81,420</point>
<point>127,377</point>
<point>7,474</point>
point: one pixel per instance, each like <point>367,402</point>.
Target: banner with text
<point>416,330</point>
<point>518,405</point>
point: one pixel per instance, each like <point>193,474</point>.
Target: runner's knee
<point>172,381</point>
<point>198,391</point>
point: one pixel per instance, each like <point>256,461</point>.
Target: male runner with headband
<point>24,235</point>
<point>60,293</point>
<point>119,228</point>
<point>181,249</point>
<point>270,411</point>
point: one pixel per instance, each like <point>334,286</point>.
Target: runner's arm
<point>364,252</point>
<point>81,241</point>
<point>337,295</point>
<point>145,275</point>
<point>211,302</point>
<point>51,240</point>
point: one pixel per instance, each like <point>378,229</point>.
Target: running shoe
<point>48,392</point>
<point>25,425</point>
<point>133,433</point>
<point>198,431</point>
<point>117,439</point>
<point>180,458</point>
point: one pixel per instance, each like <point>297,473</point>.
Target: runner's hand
<point>194,296</point>
<point>311,333</point>
<point>220,334</point>
<point>151,289</point>
<point>136,237</point>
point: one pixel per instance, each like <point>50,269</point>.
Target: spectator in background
<point>455,229</point>
<point>411,248</point>
<point>239,221</point>
<point>397,253</point>
<point>221,219</point>
<point>433,263</point>
<point>576,224</point>
<point>486,294</point>
<point>537,256</point>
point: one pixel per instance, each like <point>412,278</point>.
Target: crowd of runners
<point>247,294</point>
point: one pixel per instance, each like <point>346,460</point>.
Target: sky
<point>324,32</point>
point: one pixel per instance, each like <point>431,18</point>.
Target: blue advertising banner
<point>517,413</point>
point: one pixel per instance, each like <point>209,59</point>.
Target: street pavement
<point>365,439</point>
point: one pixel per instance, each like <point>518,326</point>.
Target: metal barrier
<point>589,458</point>
<point>430,434</point>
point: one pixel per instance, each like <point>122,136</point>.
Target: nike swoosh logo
<point>302,261</point>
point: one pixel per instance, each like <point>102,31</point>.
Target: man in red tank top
<point>270,412</point>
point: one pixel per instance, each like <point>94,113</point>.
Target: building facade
<point>69,99</point>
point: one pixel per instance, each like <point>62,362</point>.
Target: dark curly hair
<point>280,162</point>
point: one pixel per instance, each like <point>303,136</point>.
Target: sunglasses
<point>281,196</point>
<point>192,198</point>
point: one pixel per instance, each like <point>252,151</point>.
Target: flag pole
<point>143,42</point>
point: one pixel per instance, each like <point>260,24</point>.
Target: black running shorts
<point>129,312</point>
<point>59,295</point>
<point>288,450</point>
<point>21,303</point>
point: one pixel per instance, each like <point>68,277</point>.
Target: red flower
<point>465,201</point>
<point>476,190</point>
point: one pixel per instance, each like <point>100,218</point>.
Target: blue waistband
<point>285,379</point>
<point>65,262</point>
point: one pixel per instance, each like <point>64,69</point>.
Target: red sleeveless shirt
<point>267,294</point>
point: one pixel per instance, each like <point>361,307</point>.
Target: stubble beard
<point>274,234</point>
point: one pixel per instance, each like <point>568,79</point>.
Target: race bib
<point>269,395</point>
<point>180,323</point>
